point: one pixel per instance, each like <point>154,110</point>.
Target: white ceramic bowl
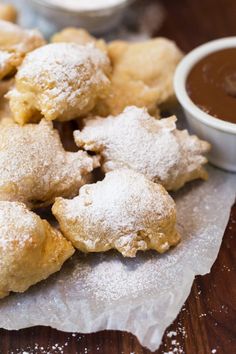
<point>95,21</point>
<point>221,134</point>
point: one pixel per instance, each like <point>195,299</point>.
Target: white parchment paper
<point>142,295</point>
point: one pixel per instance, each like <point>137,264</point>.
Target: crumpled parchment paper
<point>142,295</point>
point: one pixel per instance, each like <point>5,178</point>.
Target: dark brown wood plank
<point>207,320</point>
<point>193,22</point>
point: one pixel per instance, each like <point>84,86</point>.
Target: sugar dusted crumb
<point>171,334</point>
<point>202,315</point>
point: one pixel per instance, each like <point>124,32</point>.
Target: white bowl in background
<point>95,21</point>
<point>221,134</point>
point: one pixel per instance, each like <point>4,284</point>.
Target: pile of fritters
<point>108,96</point>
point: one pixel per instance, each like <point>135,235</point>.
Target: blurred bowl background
<point>53,17</point>
<point>122,21</point>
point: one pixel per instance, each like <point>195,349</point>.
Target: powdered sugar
<point>34,166</point>
<point>57,58</point>
<point>138,141</point>
<point>16,225</point>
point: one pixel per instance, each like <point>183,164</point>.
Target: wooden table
<point>207,322</point>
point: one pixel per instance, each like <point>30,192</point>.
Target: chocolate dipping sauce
<point>211,84</point>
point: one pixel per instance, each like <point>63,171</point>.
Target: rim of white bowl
<point>59,7</point>
<point>181,75</point>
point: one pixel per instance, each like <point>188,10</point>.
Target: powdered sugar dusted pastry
<point>16,39</point>
<point>35,168</point>
<point>153,147</point>
<point>125,211</point>
<point>8,12</point>
<point>15,42</point>
<point>79,36</point>
<point>142,75</point>
<point>61,81</point>
<point>30,249</point>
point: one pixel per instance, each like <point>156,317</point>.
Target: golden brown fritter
<point>125,211</point>
<point>30,249</point>
<point>61,81</point>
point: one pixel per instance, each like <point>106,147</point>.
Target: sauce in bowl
<point>211,84</point>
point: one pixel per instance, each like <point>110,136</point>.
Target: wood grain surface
<point>207,322</point>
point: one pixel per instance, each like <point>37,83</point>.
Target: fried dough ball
<point>8,12</point>
<point>30,249</point>
<point>153,147</point>
<point>79,36</point>
<point>61,81</point>
<point>125,211</point>
<point>142,75</point>
<point>35,168</point>
<point>15,42</point>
